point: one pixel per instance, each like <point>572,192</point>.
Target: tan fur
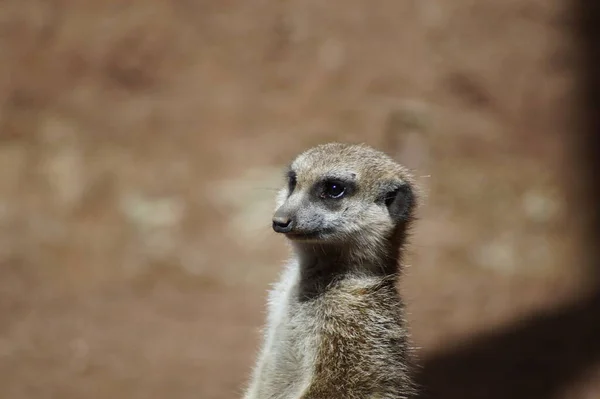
<point>335,327</point>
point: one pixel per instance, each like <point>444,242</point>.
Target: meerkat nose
<point>282,223</point>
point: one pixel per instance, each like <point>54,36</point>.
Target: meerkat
<point>335,327</point>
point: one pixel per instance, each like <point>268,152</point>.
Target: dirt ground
<point>141,144</point>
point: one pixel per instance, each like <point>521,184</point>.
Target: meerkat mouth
<point>319,235</point>
<point>303,236</point>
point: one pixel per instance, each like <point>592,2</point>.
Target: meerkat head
<point>345,194</point>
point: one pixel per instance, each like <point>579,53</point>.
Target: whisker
<point>266,188</point>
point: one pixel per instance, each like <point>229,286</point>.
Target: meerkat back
<point>335,325</point>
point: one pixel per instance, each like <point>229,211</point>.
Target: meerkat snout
<point>282,223</point>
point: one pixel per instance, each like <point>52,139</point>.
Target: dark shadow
<point>589,146</point>
<point>540,357</point>
<point>534,359</point>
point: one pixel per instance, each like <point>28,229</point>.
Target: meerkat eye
<point>291,182</point>
<point>333,189</point>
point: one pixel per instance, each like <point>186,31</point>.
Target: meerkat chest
<point>298,330</point>
<point>291,352</point>
<point>291,343</point>
<point>352,332</point>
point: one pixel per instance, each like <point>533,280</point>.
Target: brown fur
<point>336,326</point>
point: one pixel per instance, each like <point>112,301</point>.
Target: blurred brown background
<point>141,144</point>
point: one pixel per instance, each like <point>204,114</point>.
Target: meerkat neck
<point>322,264</point>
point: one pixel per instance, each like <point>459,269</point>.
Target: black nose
<point>282,224</point>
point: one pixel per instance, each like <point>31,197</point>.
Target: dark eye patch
<point>291,176</point>
<point>334,188</point>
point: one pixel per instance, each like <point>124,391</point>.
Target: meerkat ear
<point>399,200</point>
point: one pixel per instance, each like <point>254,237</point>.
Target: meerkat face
<point>343,193</point>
